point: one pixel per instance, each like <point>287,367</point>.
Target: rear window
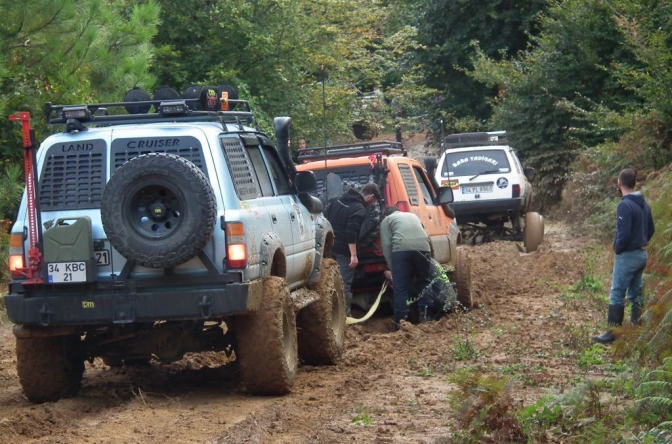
<point>475,162</point>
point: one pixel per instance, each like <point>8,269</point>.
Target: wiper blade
<point>484,172</point>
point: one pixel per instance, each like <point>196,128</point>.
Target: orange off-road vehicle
<point>404,183</point>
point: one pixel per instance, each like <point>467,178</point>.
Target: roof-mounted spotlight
<point>192,96</point>
<point>209,98</point>
<point>137,95</point>
<point>165,94</point>
<point>225,93</point>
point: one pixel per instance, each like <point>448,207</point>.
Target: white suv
<point>491,187</point>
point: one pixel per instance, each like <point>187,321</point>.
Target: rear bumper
<point>487,207</point>
<point>76,309</point>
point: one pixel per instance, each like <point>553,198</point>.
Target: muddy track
<point>390,387</point>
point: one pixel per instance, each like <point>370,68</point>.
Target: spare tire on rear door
<point>158,210</point>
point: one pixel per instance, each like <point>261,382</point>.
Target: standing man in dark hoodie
<point>346,215</point>
<point>634,229</point>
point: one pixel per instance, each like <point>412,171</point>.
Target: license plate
<point>477,189</point>
<point>102,257</point>
<point>58,272</point>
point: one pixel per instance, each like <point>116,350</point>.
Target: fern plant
<point>656,395</point>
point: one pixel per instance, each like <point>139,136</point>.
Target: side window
<point>409,184</point>
<point>261,171</point>
<point>243,175</point>
<point>278,176</point>
<point>516,162</point>
<point>424,185</point>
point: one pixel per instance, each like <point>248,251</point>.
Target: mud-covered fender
<point>324,239</point>
<point>270,245</point>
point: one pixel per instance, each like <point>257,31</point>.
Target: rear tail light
<point>373,268</point>
<point>515,190</point>
<point>236,250</point>
<point>17,265</point>
<point>403,206</point>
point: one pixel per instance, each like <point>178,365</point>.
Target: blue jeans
<point>348,274</point>
<point>409,268</point>
<point>627,278</point>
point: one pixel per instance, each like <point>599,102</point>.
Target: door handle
<point>275,219</point>
<point>293,216</point>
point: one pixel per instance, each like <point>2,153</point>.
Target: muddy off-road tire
<point>49,368</point>
<point>321,325</point>
<point>463,279</point>
<point>159,210</point>
<point>533,231</point>
<point>267,344</point>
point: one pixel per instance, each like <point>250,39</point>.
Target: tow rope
<point>349,321</point>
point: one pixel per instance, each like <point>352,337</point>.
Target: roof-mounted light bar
<point>81,113</point>
<point>173,108</point>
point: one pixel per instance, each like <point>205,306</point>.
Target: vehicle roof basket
<point>462,140</point>
<point>78,117</point>
<point>350,150</point>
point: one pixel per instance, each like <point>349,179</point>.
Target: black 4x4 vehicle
<point>151,234</point>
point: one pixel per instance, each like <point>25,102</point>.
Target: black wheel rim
<point>155,211</point>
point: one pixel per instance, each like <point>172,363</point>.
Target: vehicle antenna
<point>324,114</point>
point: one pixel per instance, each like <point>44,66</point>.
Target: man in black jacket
<point>346,215</point>
<point>634,229</point>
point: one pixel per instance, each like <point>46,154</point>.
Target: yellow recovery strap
<point>373,308</point>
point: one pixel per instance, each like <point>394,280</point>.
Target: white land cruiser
<point>151,234</point>
<point>491,188</point>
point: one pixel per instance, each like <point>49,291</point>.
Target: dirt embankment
<point>390,387</point>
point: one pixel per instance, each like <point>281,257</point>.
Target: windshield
<point>471,163</point>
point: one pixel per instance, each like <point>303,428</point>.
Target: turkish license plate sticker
<point>59,272</point>
<point>477,189</point>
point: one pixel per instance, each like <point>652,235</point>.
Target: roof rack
<point>462,140</point>
<point>76,117</point>
<point>350,150</point>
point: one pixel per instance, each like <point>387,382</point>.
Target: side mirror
<point>529,172</point>
<point>445,195</point>
<point>312,203</point>
<point>305,182</point>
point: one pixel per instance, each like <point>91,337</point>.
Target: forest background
<point>582,87</point>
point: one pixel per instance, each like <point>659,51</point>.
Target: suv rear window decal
<point>123,150</point>
<point>73,176</point>
<point>242,174</point>
<point>470,163</point>
<point>409,183</point>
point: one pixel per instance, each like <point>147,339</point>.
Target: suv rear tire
<point>321,325</point>
<point>533,231</point>
<point>49,368</point>
<point>266,342</point>
<point>158,210</point>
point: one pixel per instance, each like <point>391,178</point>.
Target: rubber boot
<point>397,322</point>
<point>614,319</point>
<point>635,315</point>
<point>425,316</point>
<point>348,304</point>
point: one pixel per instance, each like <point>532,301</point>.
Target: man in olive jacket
<point>406,247</point>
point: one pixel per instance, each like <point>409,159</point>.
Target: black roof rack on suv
<point>462,140</point>
<point>77,117</point>
<point>351,150</point>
